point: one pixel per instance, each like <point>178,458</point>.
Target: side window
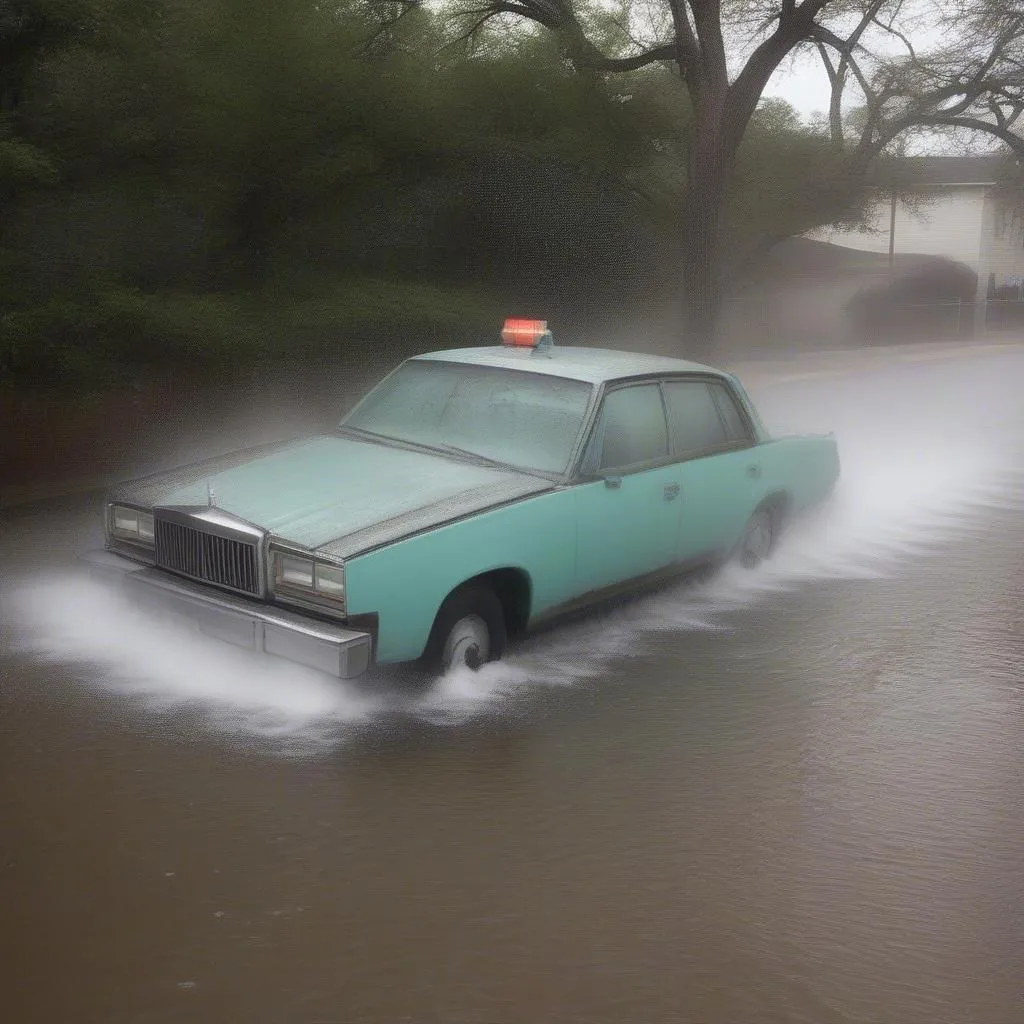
<point>631,428</point>
<point>735,425</point>
<point>693,413</point>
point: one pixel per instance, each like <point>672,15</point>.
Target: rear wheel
<point>468,632</point>
<point>758,539</point>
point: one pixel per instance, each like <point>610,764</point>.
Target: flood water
<point>795,794</point>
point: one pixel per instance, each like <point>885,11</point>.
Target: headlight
<point>330,581</point>
<point>131,524</point>
<point>294,572</point>
<point>304,576</point>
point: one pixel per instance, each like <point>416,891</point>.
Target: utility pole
<point>892,231</point>
<point>981,293</point>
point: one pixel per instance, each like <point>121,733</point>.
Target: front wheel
<point>758,539</point>
<point>468,632</point>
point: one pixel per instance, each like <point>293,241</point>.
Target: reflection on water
<point>922,451</point>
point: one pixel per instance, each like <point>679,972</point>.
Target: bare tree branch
<point>760,66</point>
<point>823,35</point>
<point>557,16</point>
<point>847,63</point>
<point>976,124</point>
<point>835,116</point>
<point>893,31</point>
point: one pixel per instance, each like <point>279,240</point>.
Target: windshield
<point>528,420</point>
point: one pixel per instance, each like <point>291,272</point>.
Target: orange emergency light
<point>526,334</point>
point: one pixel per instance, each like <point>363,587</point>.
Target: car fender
<point>405,583</point>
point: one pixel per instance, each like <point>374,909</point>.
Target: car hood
<point>335,493</point>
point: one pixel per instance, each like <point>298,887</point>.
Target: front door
<point>628,521</point>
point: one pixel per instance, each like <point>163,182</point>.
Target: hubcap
<point>468,644</point>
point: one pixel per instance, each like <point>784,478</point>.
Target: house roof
<point>941,170</point>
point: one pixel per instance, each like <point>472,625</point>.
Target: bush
<point>104,333</point>
<point>934,299</point>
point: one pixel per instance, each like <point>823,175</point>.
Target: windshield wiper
<point>445,449</point>
<point>370,435</point>
<point>451,449</point>
<point>404,442</point>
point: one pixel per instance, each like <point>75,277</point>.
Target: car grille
<point>223,561</point>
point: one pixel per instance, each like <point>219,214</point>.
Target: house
<point>960,208</point>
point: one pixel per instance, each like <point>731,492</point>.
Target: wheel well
<point>513,590</point>
<point>778,505</point>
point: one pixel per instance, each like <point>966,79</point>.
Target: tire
<point>758,540</point>
<point>469,630</point>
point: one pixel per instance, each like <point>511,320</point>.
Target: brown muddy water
<point>794,795</point>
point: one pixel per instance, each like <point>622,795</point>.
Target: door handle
<point>754,471</point>
<point>671,492</point>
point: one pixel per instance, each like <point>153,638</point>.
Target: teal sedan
<point>470,496</point>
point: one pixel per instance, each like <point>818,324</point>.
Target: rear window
<point>736,427</point>
<point>693,414</point>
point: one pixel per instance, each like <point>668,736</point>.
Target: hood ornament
<point>211,498</point>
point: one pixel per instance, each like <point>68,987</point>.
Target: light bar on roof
<point>526,333</point>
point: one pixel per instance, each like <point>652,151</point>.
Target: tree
<point>226,176</point>
<point>726,52</point>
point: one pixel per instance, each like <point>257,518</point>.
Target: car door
<point>628,519</point>
<point>719,472</point>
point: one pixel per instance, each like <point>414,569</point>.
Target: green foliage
<point>215,180</point>
<point>788,178</point>
<point>23,166</point>
<point>99,334</point>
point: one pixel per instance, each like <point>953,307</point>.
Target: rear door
<point>719,469</point>
<point>628,522</point>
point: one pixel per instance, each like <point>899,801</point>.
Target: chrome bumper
<point>330,648</point>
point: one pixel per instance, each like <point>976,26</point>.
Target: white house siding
<point>946,224</point>
<point>1003,244</point>
<point>960,222</point>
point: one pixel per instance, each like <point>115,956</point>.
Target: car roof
<point>593,365</point>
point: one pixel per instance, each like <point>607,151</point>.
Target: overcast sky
<point>803,83</point>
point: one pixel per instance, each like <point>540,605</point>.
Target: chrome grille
<point>223,561</point>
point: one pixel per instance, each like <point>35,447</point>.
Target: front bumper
<point>330,648</point>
